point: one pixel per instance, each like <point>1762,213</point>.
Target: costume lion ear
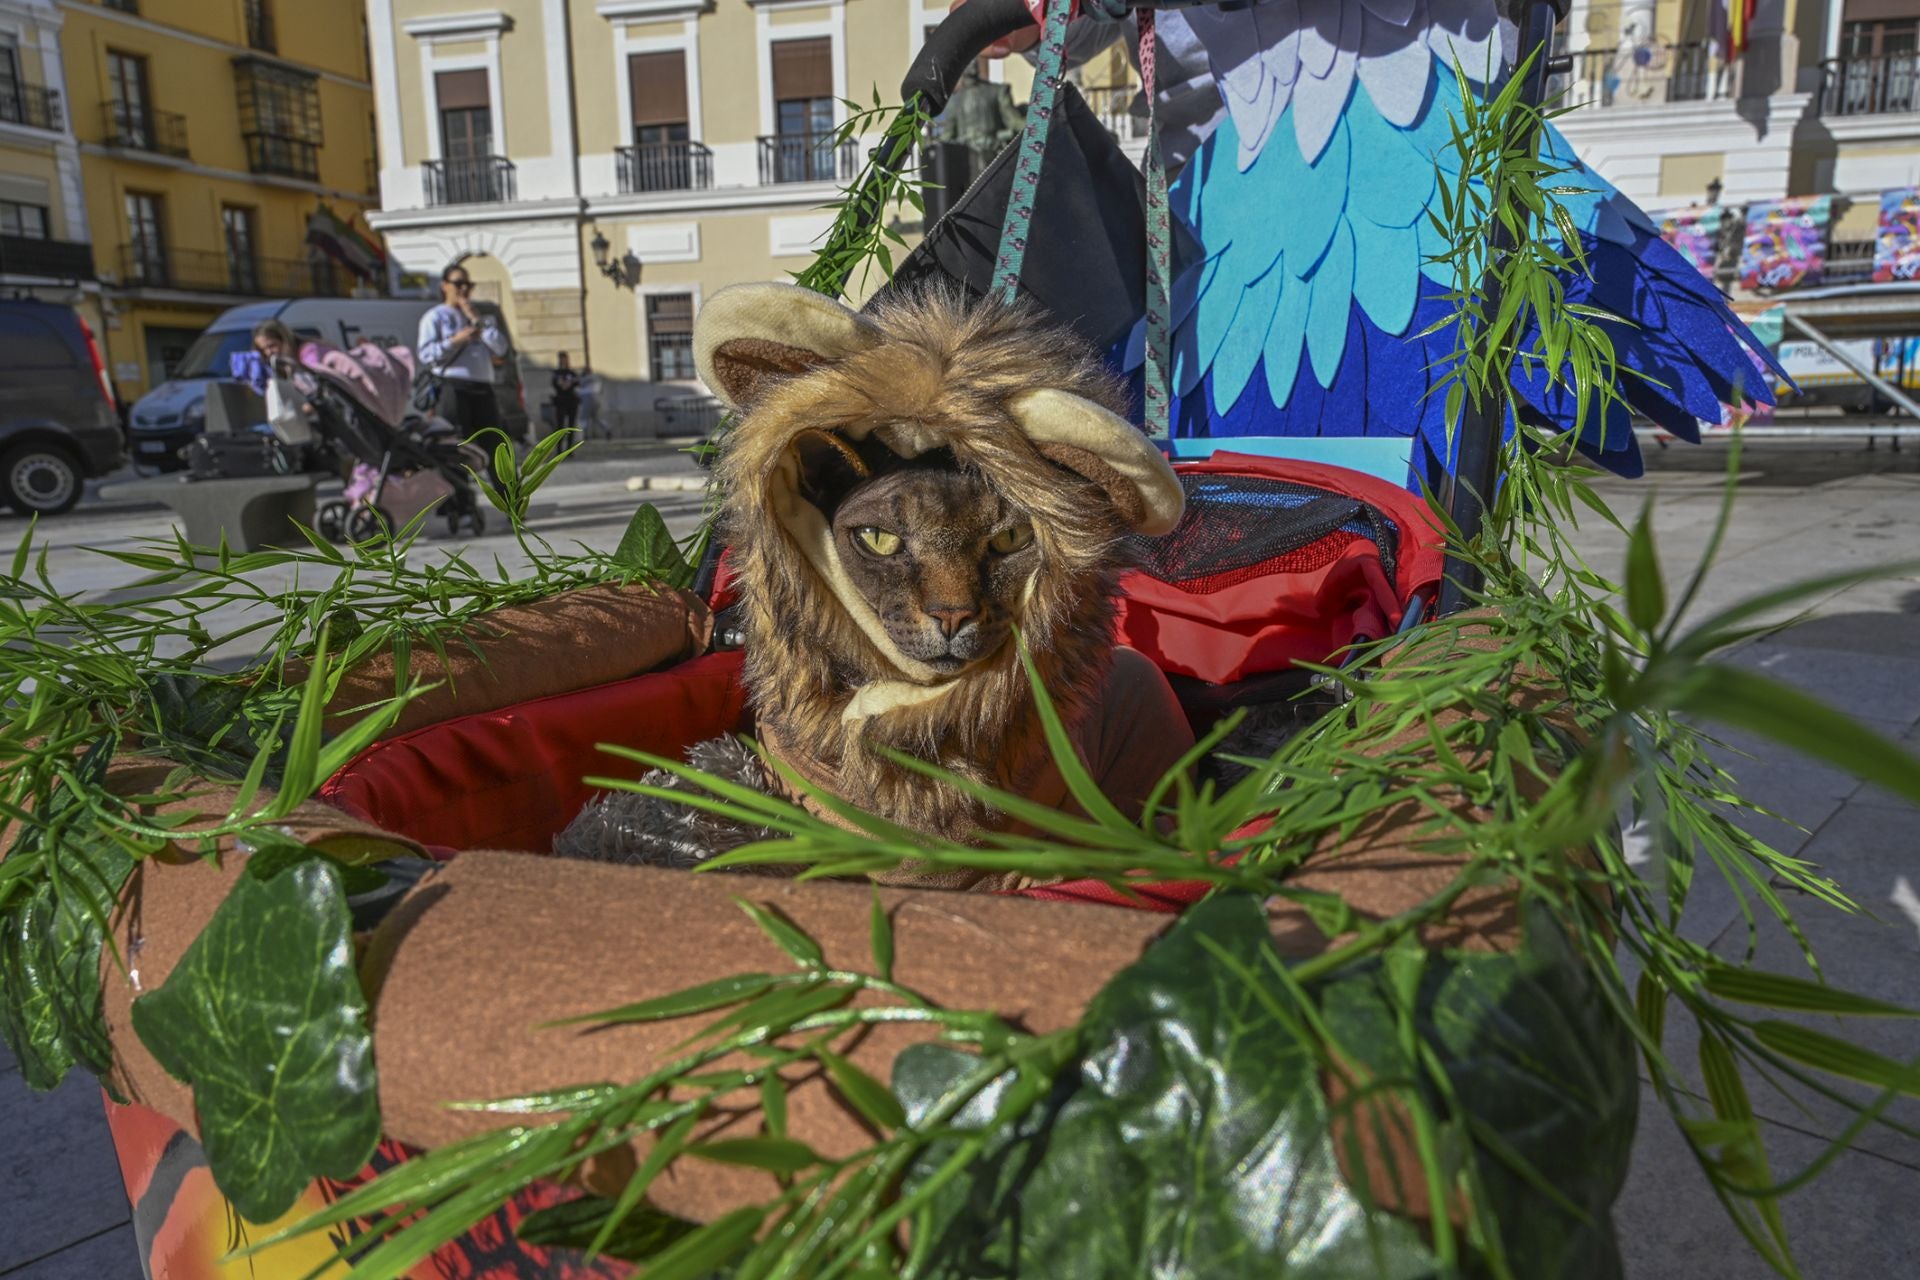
<point>829,467</point>
<point>1108,450</point>
<point>750,335</point>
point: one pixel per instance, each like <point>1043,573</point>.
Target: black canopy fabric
<point>1086,250</point>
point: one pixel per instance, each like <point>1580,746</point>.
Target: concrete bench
<point>252,512</point>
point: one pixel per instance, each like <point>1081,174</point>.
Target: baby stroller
<point>401,462</point>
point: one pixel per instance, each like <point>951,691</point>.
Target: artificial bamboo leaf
<point>1837,1057</point>
<point>880,934</point>
<point>642,1234</point>
<point>1788,716</point>
<point>782,1156</point>
<point>264,1016</point>
<point>790,937</point>
<point>1777,991</point>
<point>1646,593</point>
<point>868,1096</point>
<point>701,1254</point>
<point>679,1004</point>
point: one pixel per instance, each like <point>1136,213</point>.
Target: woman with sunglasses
<point>459,345</point>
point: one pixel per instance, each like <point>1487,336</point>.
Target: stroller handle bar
<point>966,32</point>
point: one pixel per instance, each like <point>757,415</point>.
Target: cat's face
<point>941,558</point>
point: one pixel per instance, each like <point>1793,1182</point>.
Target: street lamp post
<point>624,273</point>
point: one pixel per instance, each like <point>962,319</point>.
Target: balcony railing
<point>33,105</point>
<point>664,166</point>
<point>807,157</point>
<point>1865,86</point>
<point>260,26</point>
<point>486,180</point>
<point>160,132</point>
<point>1850,261</point>
<point>1112,104</point>
<point>47,259</point>
<point>288,157</point>
<point>199,271</point>
<point>1671,73</point>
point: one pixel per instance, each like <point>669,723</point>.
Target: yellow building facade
<point>694,135</point>
<point>206,137</point>
<point>45,238</point>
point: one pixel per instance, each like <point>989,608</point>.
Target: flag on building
<point>1732,20</point>
<point>344,243</point>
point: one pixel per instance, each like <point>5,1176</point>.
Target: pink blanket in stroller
<point>380,378</point>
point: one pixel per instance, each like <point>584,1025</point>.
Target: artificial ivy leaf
<point>50,961</point>
<point>642,1233</point>
<point>1193,1140</point>
<point>265,1018</point>
<point>27,1017</point>
<point>647,546</point>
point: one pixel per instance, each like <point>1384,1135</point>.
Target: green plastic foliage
<point>644,1232</point>
<point>50,940</point>
<point>647,547</point>
<point>265,1018</point>
<point>50,956</point>
<point>1542,1083</point>
<point>1194,1141</point>
<point>1194,1138</point>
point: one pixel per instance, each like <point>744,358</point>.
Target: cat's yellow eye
<point>878,541</point>
<point>1010,540</point>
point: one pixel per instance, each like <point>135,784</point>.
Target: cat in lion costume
<point>995,441</point>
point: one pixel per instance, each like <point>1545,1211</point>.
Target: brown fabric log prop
<point>576,640</point>
<point>465,970</point>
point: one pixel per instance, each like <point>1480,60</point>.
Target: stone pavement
<point>1801,513</point>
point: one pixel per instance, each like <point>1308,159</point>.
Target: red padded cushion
<point>512,779</point>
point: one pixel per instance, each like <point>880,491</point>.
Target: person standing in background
<point>590,405</point>
<point>459,346</point>
<point>566,396</point>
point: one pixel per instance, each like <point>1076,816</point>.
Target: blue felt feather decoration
<point>1311,206</point>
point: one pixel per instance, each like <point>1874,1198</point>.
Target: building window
<point>145,256</point>
<point>468,171</point>
<point>27,220</point>
<point>9,80</point>
<point>662,158</point>
<point>670,336</point>
<point>466,114</point>
<point>130,105</point>
<point>243,267</point>
<point>803,149</point>
<point>279,117</point>
<point>260,26</point>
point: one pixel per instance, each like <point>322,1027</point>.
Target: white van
<point>167,418</point>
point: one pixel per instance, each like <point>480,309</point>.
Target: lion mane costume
<point>1029,407</point>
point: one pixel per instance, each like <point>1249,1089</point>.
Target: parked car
<point>167,418</point>
<point>59,426</point>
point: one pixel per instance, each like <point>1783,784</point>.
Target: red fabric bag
<point>1263,573</point>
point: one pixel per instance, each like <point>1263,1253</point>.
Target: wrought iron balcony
<point>1669,73</point>
<point>33,105</point>
<point>807,157</point>
<point>46,259</point>
<point>664,166</point>
<point>485,180</point>
<point>288,157</point>
<point>148,266</point>
<point>1874,85</point>
<point>160,132</point>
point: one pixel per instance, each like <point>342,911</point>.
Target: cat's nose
<point>951,618</point>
